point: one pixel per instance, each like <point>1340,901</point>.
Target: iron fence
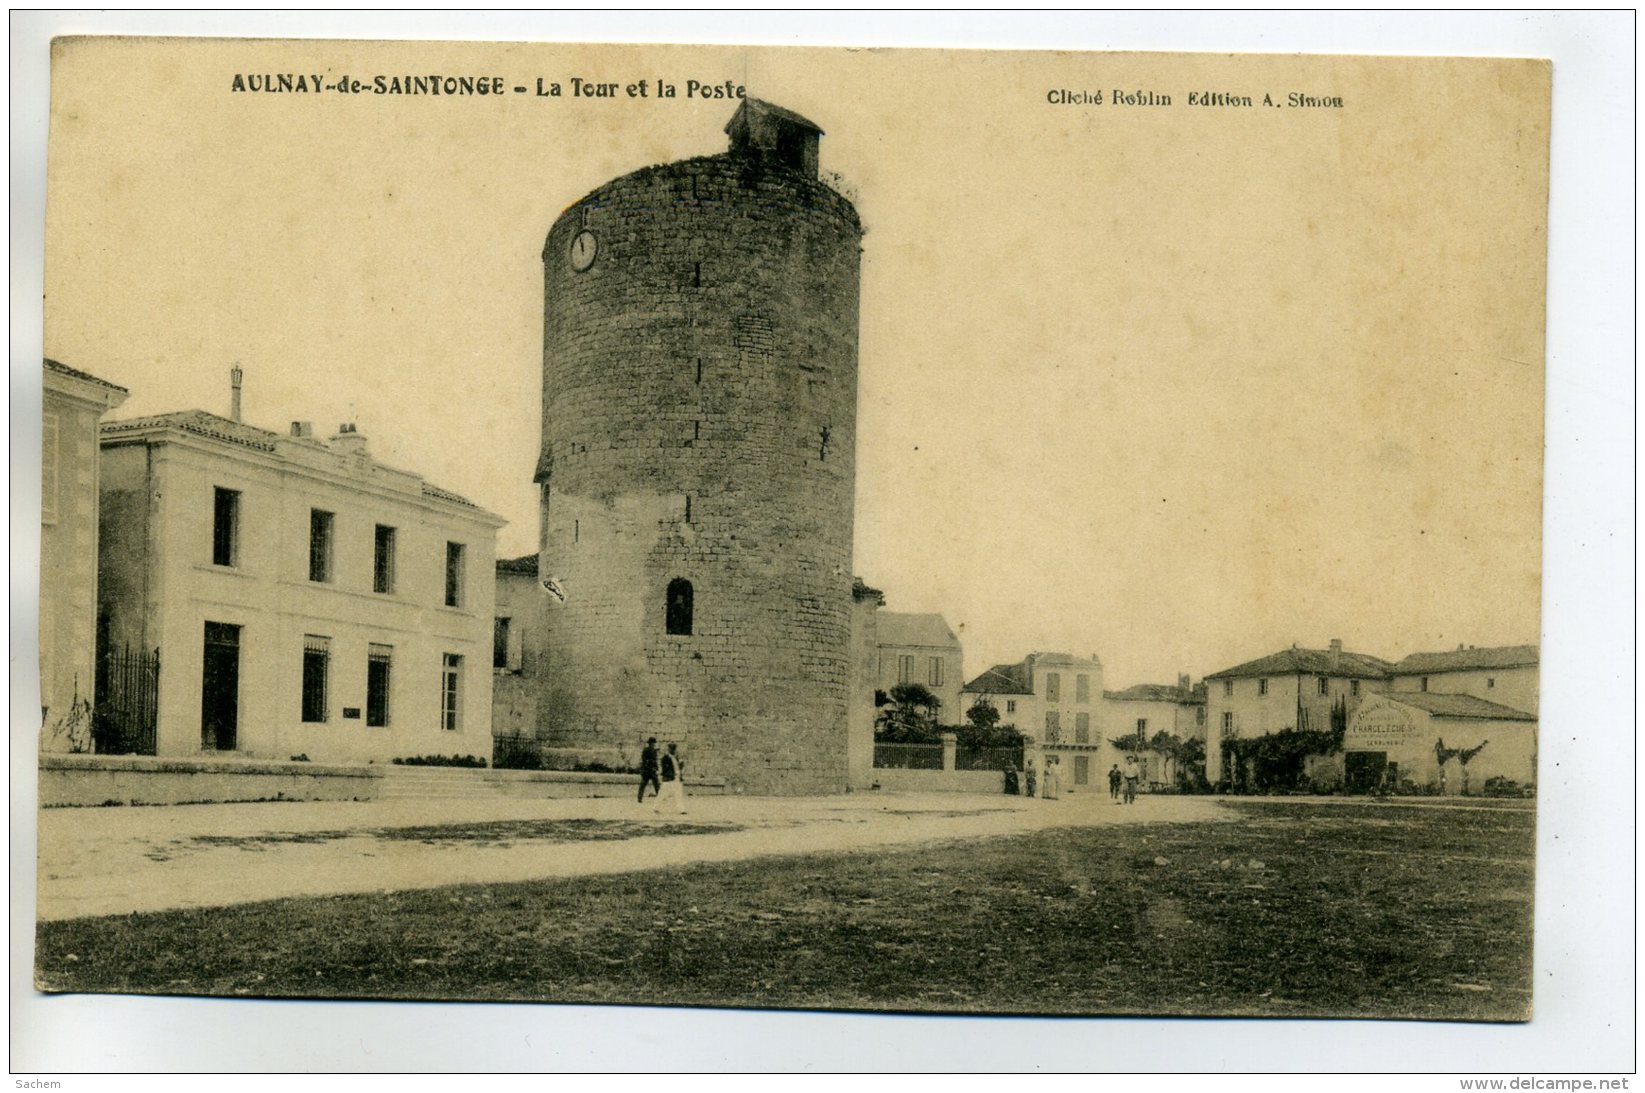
<point>128,698</point>
<point>908,756</point>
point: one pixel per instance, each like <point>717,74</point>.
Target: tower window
<point>679,606</point>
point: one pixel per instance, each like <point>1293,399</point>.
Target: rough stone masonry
<point>697,469</point>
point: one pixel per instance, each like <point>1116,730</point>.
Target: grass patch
<point>1292,910</point>
<point>489,833</point>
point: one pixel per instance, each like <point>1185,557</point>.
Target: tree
<point>983,715</point>
<point>910,716</point>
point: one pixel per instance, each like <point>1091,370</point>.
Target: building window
<point>1262,687</point>
<point>1053,727</point>
<point>1010,705</point>
<point>1490,683</point>
<point>1142,728</point>
<point>905,669</point>
<point>320,526</point>
<point>1324,686</point>
<point>48,471</point>
<point>1425,683</point>
<point>382,562</point>
<point>316,673</point>
<point>225,527</point>
<point>451,692</point>
<point>679,606</point>
<point>1353,687</point>
<point>1227,688</point>
<point>935,671</point>
<point>1082,728</point>
<point>1227,722</point>
<point>1082,688</point>
<point>454,574</point>
<point>499,643</point>
<point>1053,687</point>
<point>379,666</point>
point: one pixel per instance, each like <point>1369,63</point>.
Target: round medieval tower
<point>697,467</point>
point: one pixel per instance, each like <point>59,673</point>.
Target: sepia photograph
<point>964,532</point>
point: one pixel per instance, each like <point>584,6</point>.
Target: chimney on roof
<point>302,430</point>
<point>1182,683</point>
<point>1460,647</point>
<point>235,375</point>
<point>1336,651</point>
<point>349,441</point>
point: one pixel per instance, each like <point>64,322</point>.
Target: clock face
<point>583,249</point>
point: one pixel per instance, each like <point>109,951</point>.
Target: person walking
<point>1114,782</point>
<point>648,769</point>
<point>673,784</point>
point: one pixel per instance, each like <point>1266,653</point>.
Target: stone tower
<point>697,469</point>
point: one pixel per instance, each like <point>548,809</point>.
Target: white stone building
<point>305,600</point>
<point>73,403</point>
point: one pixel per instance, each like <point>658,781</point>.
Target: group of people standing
<point>664,772</point>
<point>1129,780</point>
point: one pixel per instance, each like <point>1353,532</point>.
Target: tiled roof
<point>1153,692</point>
<point>1460,660</point>
<point>63,369</point>
<point>1063,660</point>
<point>1459,706</point>
<point>906,628</point>
<point>1315,662</point>
<point>447,495</point>
<point>202,424</point>
<point>1001,679</point>
<point>525,563</point>
<point>760,106</point>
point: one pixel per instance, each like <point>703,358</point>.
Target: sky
<point>1178,386</point>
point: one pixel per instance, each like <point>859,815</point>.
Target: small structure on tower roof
<point>761,129</point>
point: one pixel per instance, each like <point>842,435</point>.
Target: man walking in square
<point>648,769</point>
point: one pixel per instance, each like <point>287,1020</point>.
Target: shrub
<point>440,761</point>
<point>1500,786</point>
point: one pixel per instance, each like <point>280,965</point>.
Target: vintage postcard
<point>862,529</point>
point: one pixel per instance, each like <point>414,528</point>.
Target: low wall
<point>899,780</point>
<point>565,783</point>
<point>67,780</point>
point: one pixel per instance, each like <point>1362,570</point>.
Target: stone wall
<point>699,423</point>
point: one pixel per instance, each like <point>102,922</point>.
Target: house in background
<point>516,649</point>
<point>304,599</point>
<point>74,403</point>
<point>1294,688</point>
<point>1422,737</point>
<point>1148,709</point>
<point>1054,699</point>
<point>866,603</point>
<point>1507,675</point>
<point>916,648</point>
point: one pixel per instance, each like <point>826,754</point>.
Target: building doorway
<point>1363,771</point>
<point>220,688</point>
<point>1082,770</point>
